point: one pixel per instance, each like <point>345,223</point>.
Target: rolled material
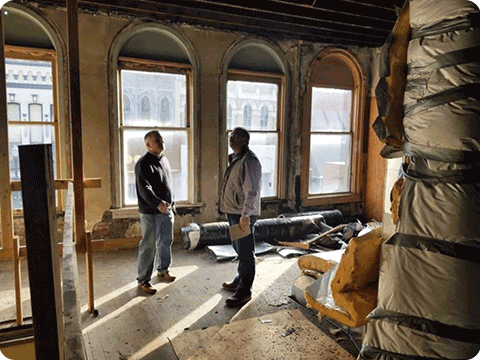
<point>428,303</point>
<point>332,217</point>
<point>267,230</point>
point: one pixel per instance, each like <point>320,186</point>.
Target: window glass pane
<point>35,112</point>
<point>265,147</point>
<point>13,112</point>
<point>246,100</point>
<point>176,150</point>
<point>154,99</point>
<point>29,88</point>
<point>329,163</point>
<point>25,135</point>
<point>331,109</point>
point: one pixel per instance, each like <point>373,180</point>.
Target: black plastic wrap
<point>288,228</point>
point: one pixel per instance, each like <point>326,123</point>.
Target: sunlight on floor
<point>178,327</point>
<point>180,272</point>
<point>113,314</point>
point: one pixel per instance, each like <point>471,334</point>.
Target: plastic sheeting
<point>268,230</point>
<point>428,297</point>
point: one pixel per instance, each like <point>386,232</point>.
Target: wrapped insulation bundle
<point>269,230</point>
<point>428,298</point>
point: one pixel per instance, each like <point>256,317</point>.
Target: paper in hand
<point>237,233</point>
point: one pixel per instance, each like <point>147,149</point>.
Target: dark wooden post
<point>38,194</point>
<point>76,119</point>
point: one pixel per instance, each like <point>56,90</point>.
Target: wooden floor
<point>131,325</point>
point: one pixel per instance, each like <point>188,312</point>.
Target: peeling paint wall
<point>96,34</point>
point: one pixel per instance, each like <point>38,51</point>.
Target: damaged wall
<point>97,33</point>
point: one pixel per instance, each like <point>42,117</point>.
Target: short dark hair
<point>152,133</point>
<point>243,133</point>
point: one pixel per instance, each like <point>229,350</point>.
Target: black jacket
<point>153,183</point>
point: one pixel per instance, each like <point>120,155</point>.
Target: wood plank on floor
<point>189,342</point>
<point>286,334</point>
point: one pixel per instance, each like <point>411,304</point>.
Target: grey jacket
<point>240,193</point>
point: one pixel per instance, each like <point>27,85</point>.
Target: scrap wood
<point>307,245</point>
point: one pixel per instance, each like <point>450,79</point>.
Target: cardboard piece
<point>237,233</point>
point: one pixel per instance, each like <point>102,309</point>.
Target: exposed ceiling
<point>349,22</point>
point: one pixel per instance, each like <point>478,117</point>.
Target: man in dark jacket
<point>240,200</point>
<point>155,205</point>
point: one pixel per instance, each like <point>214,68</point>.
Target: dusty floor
<point>131,325</point>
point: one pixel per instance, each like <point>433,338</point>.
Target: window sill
<point>132,212</point>
<point>331,199</point>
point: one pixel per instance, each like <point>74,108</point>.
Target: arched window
<point>145,109</point>
<point>332,135</point>
<point>247,117</point>
<point>264,118</point>
<point>256,76</point>
<point>28,53</point>
<point>165,111</point>
<point>154,63</point>
<point>127,108</point>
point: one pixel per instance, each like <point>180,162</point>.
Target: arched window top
<point>24,28</point>
<point>253,54</point>
<point>335,68</point>
<point>153,41</point>
<point>250,104</point>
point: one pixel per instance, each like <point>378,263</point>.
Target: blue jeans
<point>157,238</point>
<point>245,248</point>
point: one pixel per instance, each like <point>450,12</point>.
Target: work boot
<point>229,286</point>
<point>147,288</point>
<point>165,276</point>
<point>237,301</point>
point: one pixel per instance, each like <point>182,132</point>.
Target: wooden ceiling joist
<point>349,22</point>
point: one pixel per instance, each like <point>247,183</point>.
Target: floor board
<point>131,325</point>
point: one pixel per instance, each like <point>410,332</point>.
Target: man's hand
<point>244,222</point>
<point>163,207</point>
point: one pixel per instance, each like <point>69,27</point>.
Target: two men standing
<point>239,200</point>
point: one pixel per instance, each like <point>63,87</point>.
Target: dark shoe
<point>229,286</point>
<point>166,277</point>
<point>147,288</point>
<point>235,301</point>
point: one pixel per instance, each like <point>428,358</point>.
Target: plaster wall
<point>96,35</point>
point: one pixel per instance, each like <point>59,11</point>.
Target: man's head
<point>239,138</point>
<point>154,142</point>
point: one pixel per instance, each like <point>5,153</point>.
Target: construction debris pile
<point>288,234</point>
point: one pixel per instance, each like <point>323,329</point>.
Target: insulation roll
<point>449,212</point>
<point>428,305</point>
<point>332,217</point>
<point>267,230</point>
<point>392,340</point>
<point>434,280</point>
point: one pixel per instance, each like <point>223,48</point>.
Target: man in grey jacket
<point>240,201</point>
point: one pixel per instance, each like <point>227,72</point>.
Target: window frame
<point>280,80</point>
<point>137,64</point>
<point>356,130</point>
<point>47,55</point>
